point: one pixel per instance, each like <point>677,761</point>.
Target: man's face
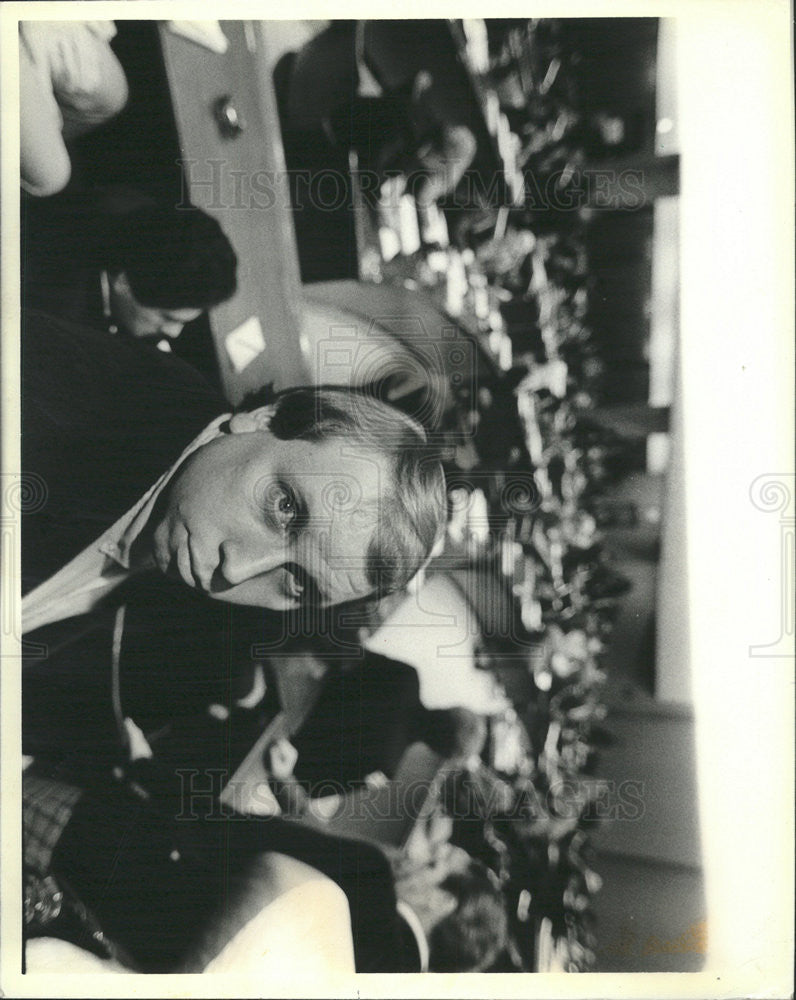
<point>254,520</point>
<point>139,320</point>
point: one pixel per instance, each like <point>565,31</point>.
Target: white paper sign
<point>206,33</point>
<point>245,343</point>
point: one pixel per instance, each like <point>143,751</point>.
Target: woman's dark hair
<point>174,257</point>
<point>472,937</point>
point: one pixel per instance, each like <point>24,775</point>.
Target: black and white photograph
<point>398,501</point>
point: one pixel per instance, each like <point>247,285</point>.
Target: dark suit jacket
<point>102,419</point>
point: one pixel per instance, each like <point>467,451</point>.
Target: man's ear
<point>252,420</point>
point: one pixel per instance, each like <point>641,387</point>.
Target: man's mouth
<point>179,560</point>
<point>301,586</point>
<point>293,585</point>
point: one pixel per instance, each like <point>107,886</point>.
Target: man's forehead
<point>347,455</point>
<point>347,486</point>
<point>343,487</point>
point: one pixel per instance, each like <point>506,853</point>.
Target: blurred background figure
<point>392,94</point>
<point>386,89</point>
<point>70,82</point>
<point>452,902</point>
<point>119,261</point>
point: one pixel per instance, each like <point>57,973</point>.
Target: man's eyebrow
<point>314,593</point>
<point>303,510</point>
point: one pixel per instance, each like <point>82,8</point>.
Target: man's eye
<point>286,509</point>
<point>281,506</point>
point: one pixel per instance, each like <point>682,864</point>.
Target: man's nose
<point>241,561</point>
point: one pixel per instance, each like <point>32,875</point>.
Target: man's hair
<point>472,937</point>
<point>174,257</point>
<point>412,511</point>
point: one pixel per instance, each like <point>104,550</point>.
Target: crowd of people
<point>190,566</point>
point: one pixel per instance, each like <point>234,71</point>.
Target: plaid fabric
<point>47,806</point>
